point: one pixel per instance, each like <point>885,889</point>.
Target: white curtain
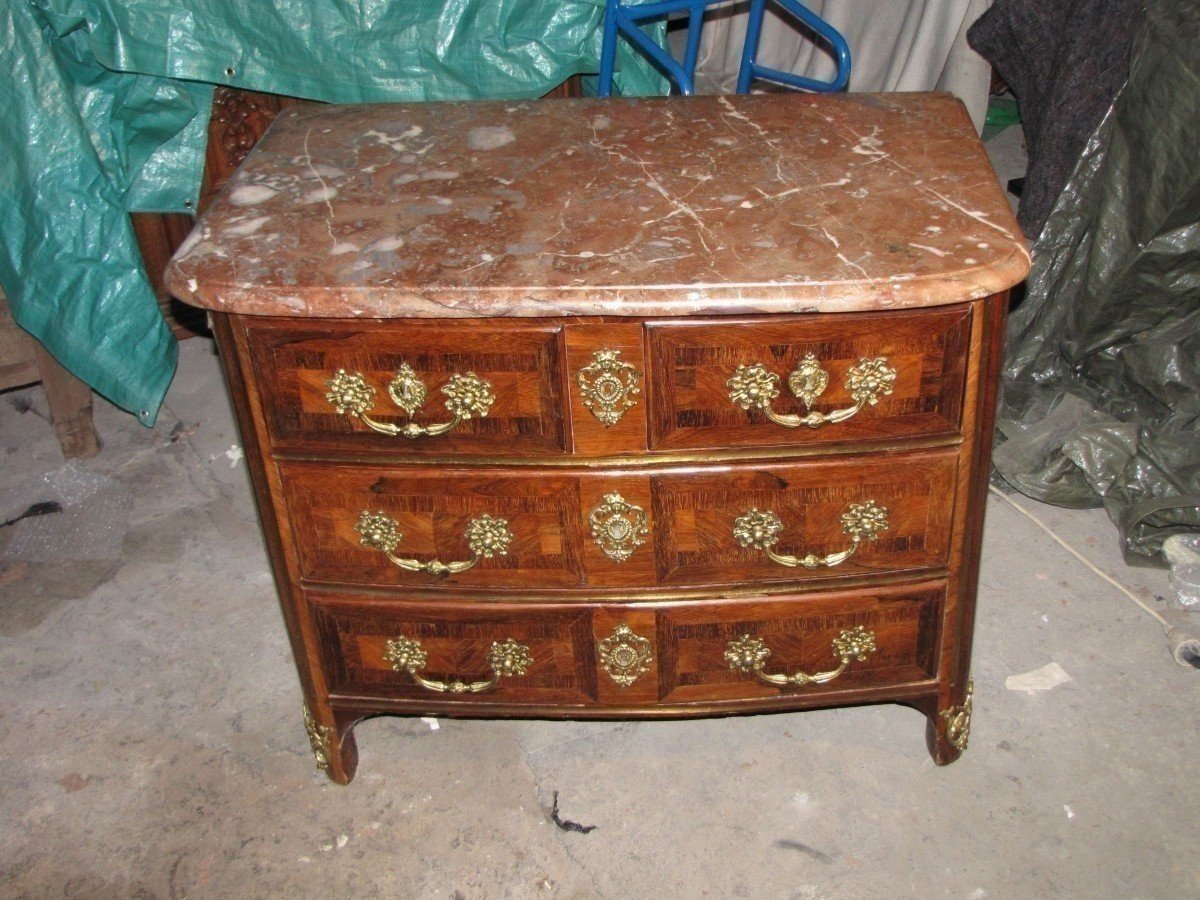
<point>895,45</point>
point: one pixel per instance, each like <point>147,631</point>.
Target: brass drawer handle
<point>753,387</point>
<point>506,658</point>
<point>486,536</point>
<point>760,530</point>
<point>467,396</point>
<point>749,654</point>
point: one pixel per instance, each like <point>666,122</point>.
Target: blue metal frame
<point>624,20</point>
<point>751,69</point>
<point>620,19</point>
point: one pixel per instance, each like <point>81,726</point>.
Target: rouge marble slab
<point>668,206</point>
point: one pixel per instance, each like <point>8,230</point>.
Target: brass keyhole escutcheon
<point>608,386</point>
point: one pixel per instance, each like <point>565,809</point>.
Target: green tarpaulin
<point>106,110</point>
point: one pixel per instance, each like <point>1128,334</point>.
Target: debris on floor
<point>1046,678</point>
<point>44,508</point>
<point>805,849</point>
<point>567,824</point>
<point>1183,554</point>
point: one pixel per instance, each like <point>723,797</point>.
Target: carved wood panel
<point>159,236</point>
<point>239,119</point>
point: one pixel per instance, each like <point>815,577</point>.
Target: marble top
<point>666,206</point>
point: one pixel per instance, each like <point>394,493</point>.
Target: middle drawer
<point>521,530</point>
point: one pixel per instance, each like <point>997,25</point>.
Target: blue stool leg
<point>695,25</point>
<point>621,19</point>
<point>608,49</point>
<point>751,69</point>
<point>750,48</point>
<point>636,37</point>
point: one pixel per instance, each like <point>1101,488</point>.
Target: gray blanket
<point>1065,61</point>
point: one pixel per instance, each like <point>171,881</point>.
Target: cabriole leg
<point>948,727</point>
<point>333,747</point>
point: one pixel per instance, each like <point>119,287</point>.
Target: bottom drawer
<point>749,650</point>
<point>630,657</point>
<point>453,651</point>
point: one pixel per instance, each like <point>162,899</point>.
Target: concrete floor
<point>152,742</point>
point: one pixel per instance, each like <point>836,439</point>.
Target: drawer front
<point>479,390</point>
<point>513,530</point>
<point>825,379</point>
<point>362,525</point>
<point>642,655</point>
<point>452,651</point>
<point>780,522</point>
<point>740,650</point>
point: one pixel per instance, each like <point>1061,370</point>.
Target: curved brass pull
<point>487,537</point>
<point>753,387</point>
<point>760,530</point>
<point>467,396</point>
<point>506,658</point>
<point>749,654</point>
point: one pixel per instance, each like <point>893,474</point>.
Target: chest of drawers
<point>645,408</point>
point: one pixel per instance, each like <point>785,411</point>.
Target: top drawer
<point>411,388</point>
<point>806,380</point>
<point>509,388</point>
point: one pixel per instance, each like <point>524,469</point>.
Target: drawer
<point>474,389</point>
<point>636,655</point>
<point>806,380</point>
<point>514,530</point>
<point>377,647</point>
<point>501,530</point>
<point>873,514</point>
<point>742,650</point>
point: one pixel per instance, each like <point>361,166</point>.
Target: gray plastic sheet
<point>1101,384</point>
<point>91,525</point>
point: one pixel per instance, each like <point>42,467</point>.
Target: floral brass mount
<point>749,654</point>
<point>624,655</point>
<point>958,720</point>
<point>607,386</point>
<point>319,737</point>
<point>486,537</point>
<point>618,527</point>
<point>753,387</point>
<point>505,658</point>
<point>760,530</point>
<point>467,396</point>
